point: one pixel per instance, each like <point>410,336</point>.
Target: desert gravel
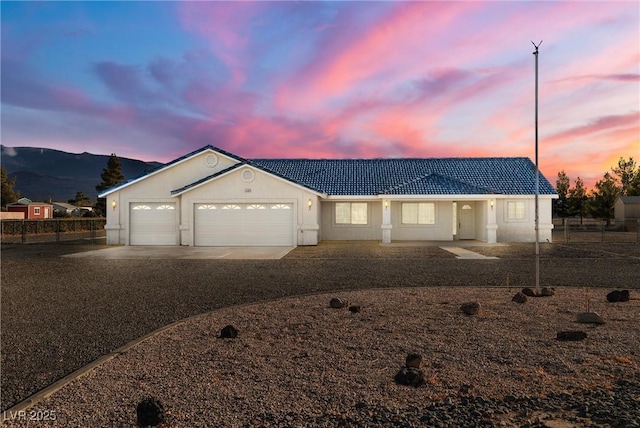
<point>59,314</point>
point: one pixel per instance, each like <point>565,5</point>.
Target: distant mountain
<point>43,174</point>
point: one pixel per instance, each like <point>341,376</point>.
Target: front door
<point>467,222</point>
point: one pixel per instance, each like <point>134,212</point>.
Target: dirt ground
<point>59,314</point>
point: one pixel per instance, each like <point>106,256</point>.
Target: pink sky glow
<point>326,79</point>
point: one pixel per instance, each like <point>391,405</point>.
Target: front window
<point>418,213</point>
<point>351,213</point>
<point>36,210</point>
<point>515,210</point>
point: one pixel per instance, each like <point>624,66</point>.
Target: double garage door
<point>237,224</point>
<point>259,224</point>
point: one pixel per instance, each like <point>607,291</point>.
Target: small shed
<point>32,210</point>
<point>627,208</point>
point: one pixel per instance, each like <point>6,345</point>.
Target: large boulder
<point>228,332</point>
<point>618,296</point>
<point>519,298</point>
<point>410,376</point>
<point>337,303</point>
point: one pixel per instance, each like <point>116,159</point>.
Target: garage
<point>243,224</point>
<point>153,223</point>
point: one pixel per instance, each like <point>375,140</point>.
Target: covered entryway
<point>243,224</point>
<point>153,223</point>
<point>466,221</point>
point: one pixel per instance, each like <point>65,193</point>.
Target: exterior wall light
<point>309,204</point>
<point>386,204</point>
<point>114,204</point>
<point>491,203</point>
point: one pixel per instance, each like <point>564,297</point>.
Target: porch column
<point>492,226</point>
<point>386,221</point>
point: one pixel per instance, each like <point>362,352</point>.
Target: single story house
<point>211,197</point>
<point>32,210</point>
<point>627,208</point>
<point>72,210</point>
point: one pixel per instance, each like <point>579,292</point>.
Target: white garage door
<point>257,224</point>
<point>153,224</point>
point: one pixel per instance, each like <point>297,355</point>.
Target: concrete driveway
<point>184,252</point>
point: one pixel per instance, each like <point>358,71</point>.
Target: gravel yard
<point>58,314</point>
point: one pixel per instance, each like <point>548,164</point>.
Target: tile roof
<point>411,176</point>
<point>399,176</point>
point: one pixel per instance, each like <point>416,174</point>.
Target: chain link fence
<point>52,230</point>
<point>596,230</point>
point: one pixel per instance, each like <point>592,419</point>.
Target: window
<point>256,207</point>
<point>515,210</point>
<point>36,210</point>
<point>280,207</point>
<point>351,212</point>
<point>418,213</point>
<point>232,207</point>
<point>141,207</point>
<point>207,207</point>
<point>165,207</point>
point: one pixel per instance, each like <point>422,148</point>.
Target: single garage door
<point>153,224</point>
<point>231,225</point>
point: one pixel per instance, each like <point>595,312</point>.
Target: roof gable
<point>168,165</point>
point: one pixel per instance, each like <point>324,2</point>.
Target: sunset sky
<point>156,80</point>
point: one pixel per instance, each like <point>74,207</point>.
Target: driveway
<point>184,252</point>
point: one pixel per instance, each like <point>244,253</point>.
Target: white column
<point>386,221</point>
<point>492,226</point>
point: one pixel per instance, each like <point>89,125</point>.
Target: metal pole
<point>537,215</point>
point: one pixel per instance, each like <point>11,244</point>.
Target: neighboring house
<point>72,210</point>
<point>32,210</point>
<point>211,197</point>
<point>627,208</point>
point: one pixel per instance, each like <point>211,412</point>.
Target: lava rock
<point>354,309</point>
<point>150,412</point>
<point>519,297</point>
<point>337,303</point>
<point>410,376</point>
<point>528,292</point>
<point>413,360</point>
<point>229,332</point>
<point>470,308</point>
<point>618,296</point>
<point>571,335</point>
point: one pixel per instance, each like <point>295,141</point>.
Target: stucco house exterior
<point>211,197</point>
<point>31,210</point>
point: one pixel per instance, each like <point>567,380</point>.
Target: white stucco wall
<point>523,230</point>
<point>337,232</point>
<point>264,188</point>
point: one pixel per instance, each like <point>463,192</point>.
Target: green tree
<point>577,200</point>
<point>111,176</point>
<point>628,174</point>
<point>562,188</point>
<point>81,200</point>
<point>9,195</point>
<point>604,197</point>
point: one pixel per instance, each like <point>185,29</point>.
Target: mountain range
<point>54,175</point>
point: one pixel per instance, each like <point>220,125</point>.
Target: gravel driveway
<point>59,313</point>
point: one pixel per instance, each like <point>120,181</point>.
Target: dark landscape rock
<point>470,308</point>
<point>228,332</point>
<point>354,309</point>
<point>150,412</point>
<point>413,360</point>
<point>528,292</point>
<point>571,335</point>
<point>337,303</point>
<point>519,298</point>
<point>410,376</point>
<point>618,296</point>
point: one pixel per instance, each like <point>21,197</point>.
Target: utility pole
<point>537,215</point>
